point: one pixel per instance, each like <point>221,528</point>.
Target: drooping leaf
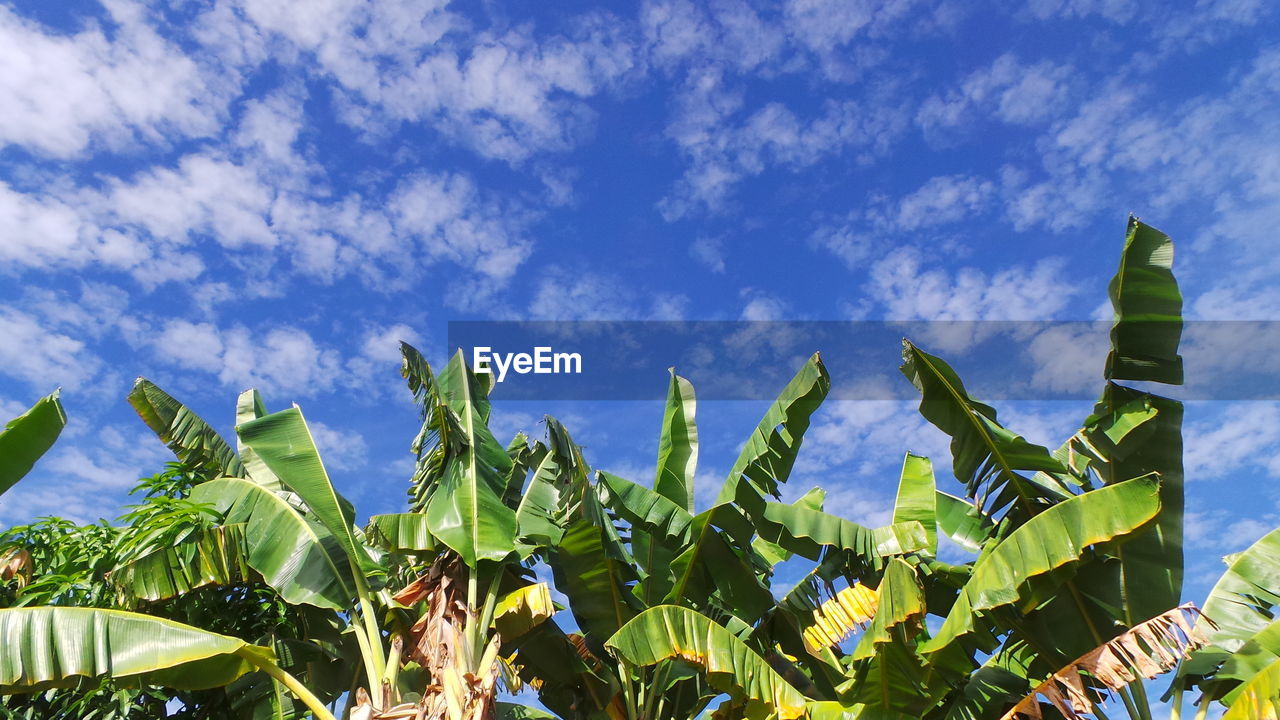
<point>401,533</point>
<point>1144,651</point>
<point>766,459</point>
<point>44,647</point>
<point>806,531</point>
<point>986,457</point>
<point>916,490</point>
<point>295,555</point>
<point>1053,538</point>
<point>1148,310</point>
<point>714,568</point>
<point>645,508</point>
<point>217,556</point>
<point>773,553</point>
<point>595,571</point>
<point>671,632</point>
<point>27,437</point>
<point>193,440</point>
<point>538,514</point>
<point>678,445</point>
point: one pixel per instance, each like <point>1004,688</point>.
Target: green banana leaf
<point>295,555</point>
<point>538,514</point>
<point>594,570</point>
<point>1258,699</point>
<point>966,525</point>
<point>28,436</point>
<point>646,509</point>
<point>217,556</point>
<point>767,457</point>
<point>1148,310</point>
<point>711,569</point>
<point>1241,604</point>
<point>986,457</point>
<point>401,533</point>
<point>678,445</point>
<point>772,553</point>
<point>916,502</point>
<point>193,440</point>
<point>1150,571</point>
<point>467,512</point>
<point>44,647</point>
<point>1050,540</point>
<point>806,532</point>
<point>1253,657</point>
<point>901,600</point>
<point>570,683</point>
<point>250,406</point>
<point>672,632</point>
<point>284,443</point>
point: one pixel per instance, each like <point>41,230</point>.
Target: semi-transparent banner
<point>727,360</point>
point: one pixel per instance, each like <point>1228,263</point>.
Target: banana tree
<point>1073,595</point>
<point>278,523</point>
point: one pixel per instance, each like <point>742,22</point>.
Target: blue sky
<point>219,194</point>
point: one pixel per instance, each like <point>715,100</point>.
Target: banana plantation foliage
<point>239,585</point>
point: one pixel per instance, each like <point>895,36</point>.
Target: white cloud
<point>723,149</point>
<point>283,361</point>
<point>942,200</point>
<point>64,92</point>
<point>450,221</point>
<point>191,345</point>
<point>340,449</point>
<point>503,94</point>
<point>564,295</point>
<point>40,357</point>
<point>1010,90</point>
<point>1244,438</point>
<point>908,290</point>
<point>709,251</point>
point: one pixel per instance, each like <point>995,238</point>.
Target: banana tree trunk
<point>463,673</point>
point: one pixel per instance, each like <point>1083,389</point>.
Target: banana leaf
<point>217,556</point>
<point>916,501</point>
<point>1148,310</point>
<point>193,440</point>
<point>45,647</point>
<point>27,437</point>
<point>986,456</point>
<point>284,443</point>
<point>1054,538</point>
<point>295,555</point>
<point>678,445</point>
<point>766,460</point>
<point>671,632</point>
